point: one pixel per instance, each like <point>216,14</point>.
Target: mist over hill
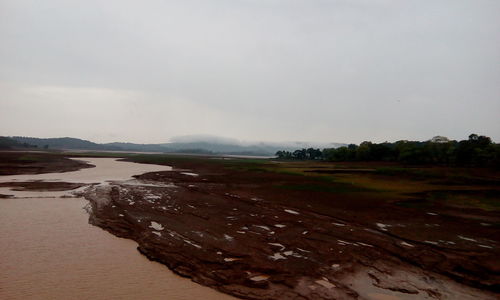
<point>196,144</point>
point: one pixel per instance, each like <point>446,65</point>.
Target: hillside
<point>195,144</point>
<point>9,143</point>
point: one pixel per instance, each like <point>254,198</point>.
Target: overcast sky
<point>270,70</point>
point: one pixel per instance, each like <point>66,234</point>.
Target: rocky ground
<point>244,235</point>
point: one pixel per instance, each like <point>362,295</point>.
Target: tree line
<point>8,143</point>
<point>477,150</point>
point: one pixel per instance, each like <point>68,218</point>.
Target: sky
<point>253,70</point>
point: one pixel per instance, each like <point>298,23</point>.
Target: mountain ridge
<point>198,145</point>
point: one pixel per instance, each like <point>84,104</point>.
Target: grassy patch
<point>416,174</point>
<point>96,154</point>
<point>31,158</point>
<point>488,200</point>
<point>390,183</point>
<point>164,159</point>
<point>332,188</point>
<point>440,176</point>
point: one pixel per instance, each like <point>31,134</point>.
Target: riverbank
<point>37,162</point>
<point>258,230</point>
<point>261,229</point>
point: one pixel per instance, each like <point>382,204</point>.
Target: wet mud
<point>240,234</point>
<point>14,163</point>
<point>40,185</point>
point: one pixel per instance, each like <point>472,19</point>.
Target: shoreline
<point>257,248</point>
<point>230,226</point>
<point>52,252</point>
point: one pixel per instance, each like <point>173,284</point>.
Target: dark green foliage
<point>301,154</point>
<point>64,143</point>
<point>475,151</point>
<point>331,188</point>
<point>9,143</point>
<point>195,147</point>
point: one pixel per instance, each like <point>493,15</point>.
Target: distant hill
<point>64,143</point>
<point>137,147</point>
<point>223,145</point>
<point>9,143</point>
<point>185,144</point>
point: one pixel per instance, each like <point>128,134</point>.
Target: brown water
<point>106,169</point>
<point>49,251</point>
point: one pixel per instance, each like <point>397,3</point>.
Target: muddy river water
<point>49,251</point>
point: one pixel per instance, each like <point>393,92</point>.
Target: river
<point>49,251</point>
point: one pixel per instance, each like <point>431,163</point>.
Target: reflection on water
<point>49,251</point>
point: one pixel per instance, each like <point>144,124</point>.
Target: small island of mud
<point>40,185</point>
<point>16,162</point>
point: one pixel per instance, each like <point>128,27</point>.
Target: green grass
<point>257,169</point>
<point>417,174</point>
<point>31,158</point>
<point>163,159</point>
<point>391,182</point>
<point>96,154</point>
<point>488,200</point>
<point>332,188</point>
<point>442,177</point>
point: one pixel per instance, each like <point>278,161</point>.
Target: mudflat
<point>16,162</point>
<point>278,230</point>
<point>264,229</point>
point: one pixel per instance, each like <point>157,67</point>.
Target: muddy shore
<point>237,232</point>
<point>14,163</point>
<point>51,252</point>
<point>39,185</point>
<point>256,234</point>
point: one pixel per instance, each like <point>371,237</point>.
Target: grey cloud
<point>341,70</point>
